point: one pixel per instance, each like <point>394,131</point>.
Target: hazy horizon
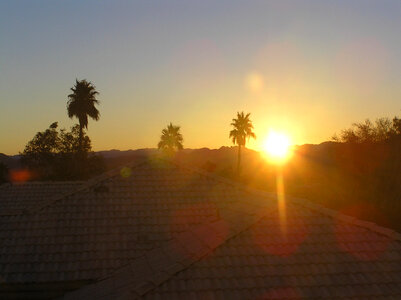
<point>307,68</point>
<point>185,148</point>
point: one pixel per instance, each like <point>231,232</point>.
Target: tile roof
<point>18,198</point>
<point>163,231</point>
<point>255,250</point>
<point>108,222</point>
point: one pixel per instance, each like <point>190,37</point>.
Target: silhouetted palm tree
<point>171,139</point>
<point>81,104</point>
<point>241,132</point>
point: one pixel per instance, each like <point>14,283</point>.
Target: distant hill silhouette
<point>114,158</point>
<point>12,162</point>
<point>220,160</point>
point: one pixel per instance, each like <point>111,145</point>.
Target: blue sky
<point>307,68</point>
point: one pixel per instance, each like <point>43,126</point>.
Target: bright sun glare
<point>277,146</point>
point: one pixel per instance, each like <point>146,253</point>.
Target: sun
<point>277,146</point>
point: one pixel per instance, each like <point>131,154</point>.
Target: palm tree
<point>171,139</point>
<point>81,104</point>
<point>241,132</point>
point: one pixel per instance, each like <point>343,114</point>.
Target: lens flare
<point>254,82</point>
<point>281,204</point>
<point>347,235</point>
<point>125,172</point>
<point>284,231</point>
<point>20,175</point>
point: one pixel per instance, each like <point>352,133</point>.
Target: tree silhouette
<point>40,153</point>
<point>241,132</point>
<point>3,173</point>
<point>381,130</point>
<point>81,104</point>
<point>54,155</point>
<point>69,141</point>
<point>171,139</point>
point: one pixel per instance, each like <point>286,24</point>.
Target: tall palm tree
<point>81,104</point>
<point>241,132</point>
<point>171,139</point>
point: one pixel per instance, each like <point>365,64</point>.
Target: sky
<point>304,68</point>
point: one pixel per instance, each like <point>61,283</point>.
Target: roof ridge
<point>47,182</point>
<point>158,265</point>
<point>85,185</point>
<point>347,219</point>
<point>143,274</point>
<point>306,204</point>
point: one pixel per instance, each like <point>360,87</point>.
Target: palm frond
<point>242,129</point>
<point>171,139</point>
<point>82,101</point>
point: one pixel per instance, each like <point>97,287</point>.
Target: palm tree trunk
<point>239,159</point>
<point>80,156</point>
<point>81,135</point>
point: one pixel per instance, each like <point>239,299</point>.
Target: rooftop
<point>158,230</point>
<point>18,198</point>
